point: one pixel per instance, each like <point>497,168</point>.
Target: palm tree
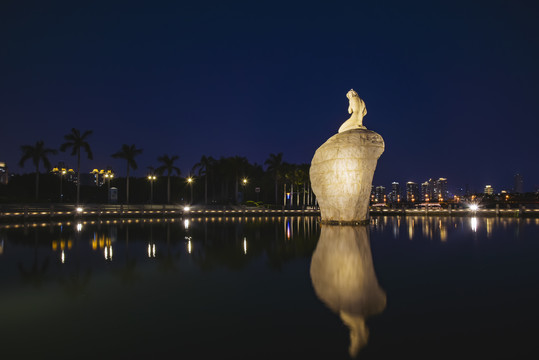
<point>237,165</point>
<point>76,141</point>
<point>275,167</point>
<point>290,175</point>
<point>306,182</point>
<point>204,166</point>
<point>168,166</point>
<point>38,153</point>
<point>128,152</point>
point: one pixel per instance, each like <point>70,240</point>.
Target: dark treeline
<point>223,181</point>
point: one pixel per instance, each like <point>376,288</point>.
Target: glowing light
<point>79,227</point>
<point>186,208</point>
<point>473,224</point>
<point>79,209</point>
<point>245,246</point>
<point>151,250</point>
<point>474,207</point>
<point>288,230</point>
<point>189,246</point>
<point>63,257</point>
<point>186,224</point>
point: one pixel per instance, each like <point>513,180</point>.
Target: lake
<point>275,287</point>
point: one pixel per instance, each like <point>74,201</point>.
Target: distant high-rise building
<point>434,190</point>
<point>425,191</point>
<point>412,192</point>
<point>395,194</point>
<point>519,184</point>
<point>4,176</point>
<point>380,194</point>
<point>440,190</point>
<point>489,190</point>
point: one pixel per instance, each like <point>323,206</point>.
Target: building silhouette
<point>380,195</point>
<point>4,175</point>
<point>412,192</point>
<point>395,194</point>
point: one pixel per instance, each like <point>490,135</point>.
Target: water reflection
<point>210,242</point>
<point>247,279</point>
<point>442,227</point>
<point>343,277</point>
<point>473,224</point>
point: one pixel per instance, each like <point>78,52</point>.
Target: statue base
<point>341,175</point>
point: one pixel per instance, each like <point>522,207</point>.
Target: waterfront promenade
<point>41,212</point>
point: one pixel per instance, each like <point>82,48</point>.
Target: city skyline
<point>252,79</point>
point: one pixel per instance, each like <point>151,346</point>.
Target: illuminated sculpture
<point>343,277</point>
<point>358,110</point>
<point>343,167</point>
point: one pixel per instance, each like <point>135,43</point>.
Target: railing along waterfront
<point>15,213</point>
<point>519,212</point>
<point>56,211</point>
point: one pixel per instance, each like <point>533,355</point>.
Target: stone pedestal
<point>341,175</point>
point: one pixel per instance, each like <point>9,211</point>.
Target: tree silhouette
<point>204,168</point>
<point>168,166</point>
<point>275,168</point>
<point>76,142</point>
<point>128,152</point>
<point>38,153</point>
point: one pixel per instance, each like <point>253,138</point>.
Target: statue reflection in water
<point>343,278</point>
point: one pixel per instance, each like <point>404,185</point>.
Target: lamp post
<point>244,182</point>
<point>109,175</point>
<point>151,178</point>
<point>62,173</point>
<point>190,182</point>
<point>96,175</point>
<point>60,170</point>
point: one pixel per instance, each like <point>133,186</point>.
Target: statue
<point>358,110</point>
<point>343,167</point>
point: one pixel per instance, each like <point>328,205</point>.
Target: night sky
<point>452,86</point>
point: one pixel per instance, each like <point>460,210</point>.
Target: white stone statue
<point>358,110</point>
<point>343,167</point>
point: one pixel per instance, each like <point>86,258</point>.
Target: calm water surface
<point>283,288</point>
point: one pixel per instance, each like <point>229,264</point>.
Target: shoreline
<point>56,212</point>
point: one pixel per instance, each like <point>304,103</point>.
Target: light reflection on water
<point>343,278</point>
<point>439,227</point>
<point>268,281</point>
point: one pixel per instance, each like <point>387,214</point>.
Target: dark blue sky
<point>451,86</point>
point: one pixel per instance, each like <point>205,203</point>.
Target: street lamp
<point>61,171</point>
<point>109,175</point>
<point>190,182</point>
<point>244,182</point>
<point>151,178</point>
<point>96,175</point>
